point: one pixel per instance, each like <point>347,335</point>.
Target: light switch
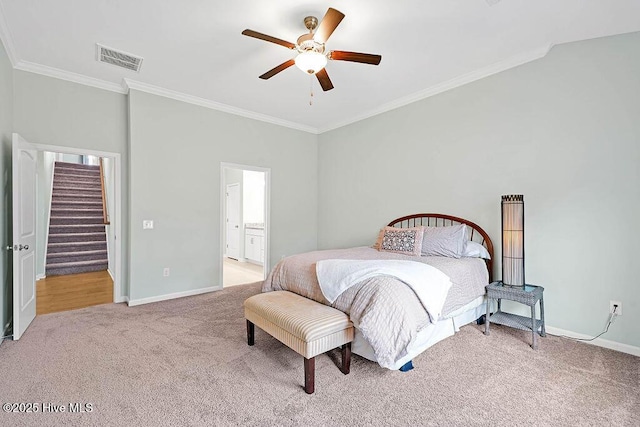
<point>147,224</point>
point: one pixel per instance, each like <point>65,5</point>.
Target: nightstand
<point>529,295</point>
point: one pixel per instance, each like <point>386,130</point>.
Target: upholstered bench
<point>307,327</point>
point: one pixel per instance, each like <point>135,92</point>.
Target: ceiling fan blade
<point>324,80</point>
<point>328,24</point>
<point>272,72</point>
<point>265,37</point>
<point>364,58</point>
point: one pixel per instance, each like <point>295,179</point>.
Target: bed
<point>394,322</point>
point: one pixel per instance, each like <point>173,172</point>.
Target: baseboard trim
<point>175,295</point>
<point>599,342</point>
<point>121,299</point>
<point>40,277</point>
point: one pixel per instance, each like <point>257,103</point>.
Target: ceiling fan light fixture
<point>311,62</point>
<point>311,57</point>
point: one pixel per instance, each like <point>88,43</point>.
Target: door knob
<point>9,247</point>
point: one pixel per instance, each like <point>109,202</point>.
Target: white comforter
<point>430,284</point>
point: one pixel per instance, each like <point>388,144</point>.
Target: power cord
<point>612,315</point>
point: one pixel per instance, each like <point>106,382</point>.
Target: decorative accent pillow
<point>378,242</point>
<point>475,250</point>
<point>444,241</point>
<point>406,241</point>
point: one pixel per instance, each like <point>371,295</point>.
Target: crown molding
<point>5,38</point>
<point>496,68</point>
<point>179,96</point>
<point>69,76</point>
<point>128,84</point>
<point>7,41</point>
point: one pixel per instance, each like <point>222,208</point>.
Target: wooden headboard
<point>440,220</point>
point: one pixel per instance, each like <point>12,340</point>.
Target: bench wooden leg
<point>250,333</point>
<point>309,375</point>
<point>346,358</point>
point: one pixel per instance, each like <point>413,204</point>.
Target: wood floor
<point>62,293</point>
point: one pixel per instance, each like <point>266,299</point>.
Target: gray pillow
<point>444,241</point>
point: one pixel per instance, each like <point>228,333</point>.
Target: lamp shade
<point>311,62</point>
<point>513,240</point>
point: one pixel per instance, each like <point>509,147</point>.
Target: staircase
<point>77,238</point>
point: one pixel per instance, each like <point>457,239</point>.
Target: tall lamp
<point>513,240</point>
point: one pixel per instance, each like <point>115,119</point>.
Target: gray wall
<point>175,154</point>
<point>61,113</point>
<point>71,158</point>
<point>6,128</point>
<point>57,112</point>
<point>563,130</point>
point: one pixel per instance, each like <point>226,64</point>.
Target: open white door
<point>233,221</point>
<point>24,163</point>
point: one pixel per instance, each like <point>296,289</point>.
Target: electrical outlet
<point>618,309</point>
<point>166,272</point>
<point>147,224</point>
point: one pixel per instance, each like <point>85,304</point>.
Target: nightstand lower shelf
<point>528,295</point>
<point>514,321</point>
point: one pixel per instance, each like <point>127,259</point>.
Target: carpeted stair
<point>77,237</point>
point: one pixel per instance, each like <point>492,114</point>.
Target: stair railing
<point>105,215</point>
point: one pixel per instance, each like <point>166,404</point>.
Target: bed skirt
<point>433,333</point>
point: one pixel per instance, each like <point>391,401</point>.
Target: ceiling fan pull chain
<point>311,89</point>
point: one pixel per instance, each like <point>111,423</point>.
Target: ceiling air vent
<point>118,58</point>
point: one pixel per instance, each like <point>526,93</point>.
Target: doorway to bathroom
<point>244,224</point>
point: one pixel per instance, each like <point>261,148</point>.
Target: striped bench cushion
<point>307,327</point>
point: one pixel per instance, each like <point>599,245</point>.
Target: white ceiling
<point>194,50</point>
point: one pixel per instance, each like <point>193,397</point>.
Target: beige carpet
<point>186,363</point>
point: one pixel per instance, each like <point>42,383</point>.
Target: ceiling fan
<point>311,57</point>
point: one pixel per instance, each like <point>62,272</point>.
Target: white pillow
<point>444,241</point>
<point>475,250</point>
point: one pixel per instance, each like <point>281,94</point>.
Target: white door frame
<point>117,196</point>
<point>267,214</point>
